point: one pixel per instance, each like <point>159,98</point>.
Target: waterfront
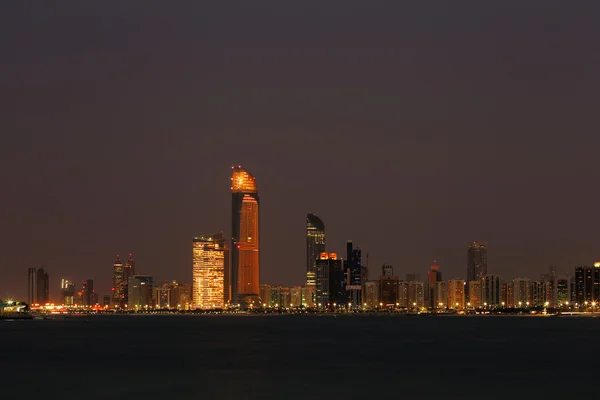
<point>293,357</point>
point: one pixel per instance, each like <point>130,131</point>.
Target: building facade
<point>210,261</point>
<point>140,292</point>
<point>476,261</point>
<point>315,245</point>
<point>245,244</point>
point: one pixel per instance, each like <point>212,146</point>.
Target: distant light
<point>597,265</point>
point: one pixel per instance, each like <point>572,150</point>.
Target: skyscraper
<point>354,274</point>
<point>87,291</point>
<point>128,271</point>
<point>67,292</point>
<point>42,287</point>
<point>117,282</point>
<point>587,281</point>
<point>315,245</point>
<point>490,290</point>
<point>210,261</point>
<point>245,238</point>
<point>140,291</point>
<point>476,262</point>
<point>31,294</point>
<point>330,281</point>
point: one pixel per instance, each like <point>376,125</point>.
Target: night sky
<point>411,128</point>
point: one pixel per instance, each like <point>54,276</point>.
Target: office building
<point>245,238</point>
<point>106,300</point>
<point>210,261</point>
<point>118,283</point>
<point>330,281</point>
<point>140,291</point>
<point>476,261</point>
<point>456,294</point>
<point>274,299</point>
<point>315,245</point>
<point>67,292</point>
<point>42,286</point>
<point>354,275</point>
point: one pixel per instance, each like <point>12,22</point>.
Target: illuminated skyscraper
<point>210,261</point>
<point>330,281</point>
<point>87,293</point>
<point>476,262</point>
<point>491,291</point>
<point>315,245</point>
<point>475,294</point>
<point>245,238</point>
<point>117,283</point>
<point>67,292</point>
<point>31,294</point>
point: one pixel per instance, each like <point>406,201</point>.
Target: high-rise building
<point>162,296</point>
<point>476,261</point>
<point>371,295</point>
<point>354,275</point>
<point>309,296</point>
<point>521,292</point>
<point>587,283</point>
<point>403,294</point>
<point>181,296</point>
<point>505,294</point>
<point>118,283</point>
<point>86,293</point>
<point>388,286</point>
<point>433,275</point>
<point>274,299</point>
<point>440,295</point>
<point>456,294</point>
<point>563,291</point>
<point>67,292</point>
<point>330,281</point>
<point>263,292</point>
<point>413,277</point>
<point>475,294</point>
<point>296,296</point>
<point>245,238</point>
<point>106,300</point>
<point>315,245</point>
<point>31,293</point>
<point>491,291</point>
<point>285,299</point>
<point>140,291</point>
<point>210,261</point>
<point>416,294</point>
<point>538,293</point>
<point>42,287</point>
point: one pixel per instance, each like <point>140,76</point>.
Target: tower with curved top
<point>315,245</point>
<point>244,238</point>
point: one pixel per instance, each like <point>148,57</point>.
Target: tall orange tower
<point>245,238</point>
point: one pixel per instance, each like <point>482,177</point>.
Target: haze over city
<point>409,129</point>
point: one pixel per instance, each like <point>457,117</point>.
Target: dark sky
<point>411,128</point>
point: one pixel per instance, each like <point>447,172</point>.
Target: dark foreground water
<point>294,357</point>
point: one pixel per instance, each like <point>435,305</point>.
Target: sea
<point>300,357</point>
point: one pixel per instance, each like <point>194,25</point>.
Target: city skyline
<point>409,129</point>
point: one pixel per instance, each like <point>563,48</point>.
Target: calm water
<point>294,357</point>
